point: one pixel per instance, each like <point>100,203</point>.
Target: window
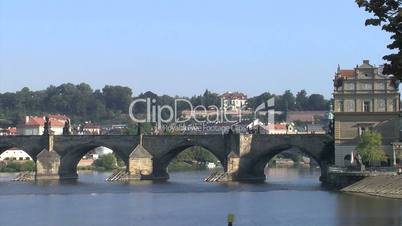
<point>380,86</point>
<point>366,86</point>
<point>381,105</point>
<point>350,105</point>
<point>349,86</point>
<point>366,106</point>
<point>341,108</point>
<point>395,105</point>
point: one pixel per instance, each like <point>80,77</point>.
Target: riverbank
<point>383,186</point>
<point>17,166</point>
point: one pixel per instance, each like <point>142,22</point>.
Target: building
<point>305,116</point>
<point>91,129</point>
<point>281,128</point>
<point>364,99</point>
<point>14,154</point>
<point>34,125</point>
<point>233,101</point>
<point>10,131</point>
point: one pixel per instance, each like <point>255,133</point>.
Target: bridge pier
<point>47,165</point>
<point>140,164</point>
<point>48,161</point>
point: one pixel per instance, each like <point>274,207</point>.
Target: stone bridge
<point>147,157</point>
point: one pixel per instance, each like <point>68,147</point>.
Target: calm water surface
<point>290,197</point>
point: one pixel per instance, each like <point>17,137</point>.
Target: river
<point>290,197</point>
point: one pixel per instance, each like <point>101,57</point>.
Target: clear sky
<point>184,46</point>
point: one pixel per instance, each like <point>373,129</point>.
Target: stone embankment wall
<point>384,186</point>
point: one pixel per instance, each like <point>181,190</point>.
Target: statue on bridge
<point>66,128</point>
<point>47,126</point>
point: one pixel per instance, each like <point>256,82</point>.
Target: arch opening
<point>192,162</point>
<point>94,163</point>
<point>288,165</point>
<point>14,160</point>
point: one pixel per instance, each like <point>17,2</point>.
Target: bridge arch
<point>172,152</point>
<point>167,158</point>
<point>259,162</point>
<point>30,152</point>
<point>69,161</point>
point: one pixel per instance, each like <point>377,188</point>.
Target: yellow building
<point>364,99</point>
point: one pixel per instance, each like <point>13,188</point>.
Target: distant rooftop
<point>234,95</point>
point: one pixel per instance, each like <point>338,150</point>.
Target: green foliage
<point>117,98</point>
<point>186,158</point>
<point>14,166</point>
<point>207,99</point>
<point>370,147</point>
<point>106,162</point>
<point>302,100</point>
<point>110,105</point>
<point>388,15</point>
<point>79,102</point>
<point>288,102</point>
<point>198,154</point>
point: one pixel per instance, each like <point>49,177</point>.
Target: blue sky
<point>184,46</point>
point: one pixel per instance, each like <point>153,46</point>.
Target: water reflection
<point>290,197</point>
<point>364,210</point>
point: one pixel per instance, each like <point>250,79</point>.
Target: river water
<point>290,197</point>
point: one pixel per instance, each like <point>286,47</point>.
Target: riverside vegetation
<point>17,166</point>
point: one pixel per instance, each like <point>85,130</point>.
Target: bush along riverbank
<point>107,162</point>
<point>17,166</point>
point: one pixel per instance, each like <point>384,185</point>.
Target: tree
<point>388,15</point>
<point>370,147</point>
<point>285,102</point>
<point>106,162</point>
<point>301,100</point>
<point>317,102</point>
<point>210,98</point>
<point>117,97</point>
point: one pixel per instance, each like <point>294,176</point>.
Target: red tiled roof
<point>39,121</point>
<point>235,95</point>
<point>12,130</point>
<point>277,126</point>
<point>34,121</point>
<point>9,130</point>
<point>347,73</point>
<point>59,117</point>
<point>280,126</point>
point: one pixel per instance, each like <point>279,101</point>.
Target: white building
<point>100,151</point>
<point>91,129</point>
<point>10,131</point>
<point>233,101</point>
<point>14,154</point>
<point>34,125</point>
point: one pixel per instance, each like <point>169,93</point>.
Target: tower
<point>364,99</point>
